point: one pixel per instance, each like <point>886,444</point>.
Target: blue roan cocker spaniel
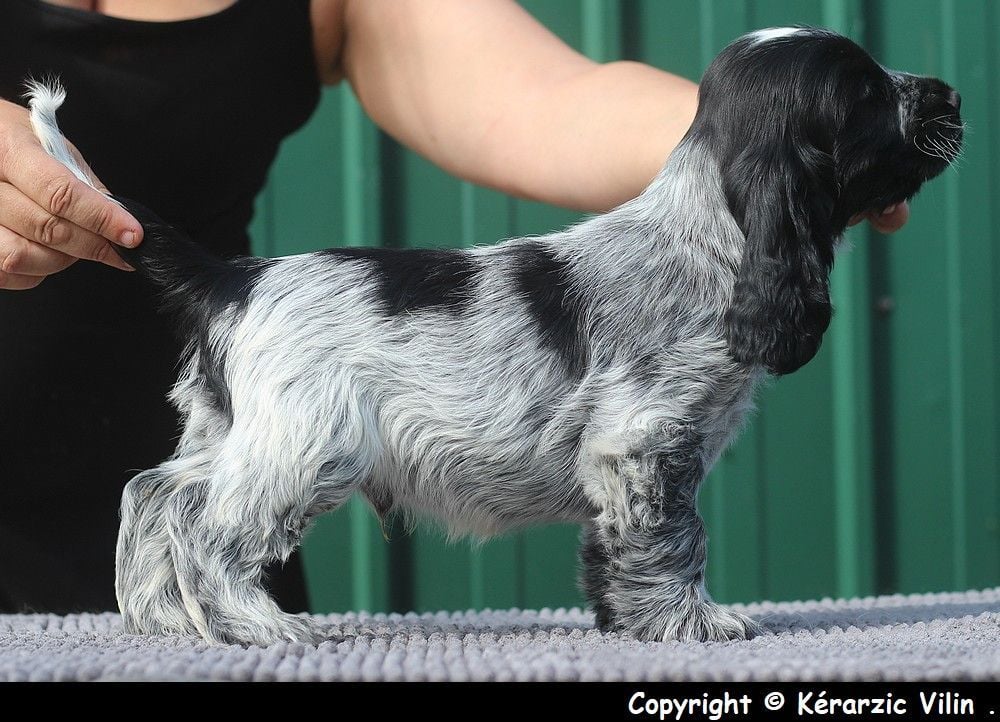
<point>593,375</point>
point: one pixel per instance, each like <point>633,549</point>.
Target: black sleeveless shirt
<point>185,117</point>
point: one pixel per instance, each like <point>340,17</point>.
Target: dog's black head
<point>808,131</point>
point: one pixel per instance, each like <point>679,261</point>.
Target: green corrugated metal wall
<point>872,470</point>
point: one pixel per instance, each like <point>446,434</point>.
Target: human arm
<point>489,94</point>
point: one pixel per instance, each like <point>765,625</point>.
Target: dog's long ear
<point>782,195</point>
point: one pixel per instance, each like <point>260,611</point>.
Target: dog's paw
<point>158,625</point>
<point>710,622</point>
<point>154,607</point>
<point>263,631</point>
<point>701,622</point>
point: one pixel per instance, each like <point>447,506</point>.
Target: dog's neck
<point>681,219</point>
<point>687,197</point>
<point>673,250</point>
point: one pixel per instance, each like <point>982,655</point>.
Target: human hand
<point>890,220</point>
<point>49,218</point>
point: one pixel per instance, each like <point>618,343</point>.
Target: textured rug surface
<point>924,637</point>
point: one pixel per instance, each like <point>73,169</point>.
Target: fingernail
<point>889,210</point>
<point>127,239</point>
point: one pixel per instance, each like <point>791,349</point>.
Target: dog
<point>593,375</point>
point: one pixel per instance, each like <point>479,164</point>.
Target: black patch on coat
<point>544,282</point>
<point>415,279</point>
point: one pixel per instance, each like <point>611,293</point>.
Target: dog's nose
<point>954,99</point>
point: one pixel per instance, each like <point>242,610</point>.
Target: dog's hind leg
<point>252,511</point>
<point>645,558</point>
<point>145,581</point>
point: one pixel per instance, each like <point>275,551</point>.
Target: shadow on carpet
<point>918,637</point>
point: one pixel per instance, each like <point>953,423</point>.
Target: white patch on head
<point>905,108</point>
<point>762,36</point>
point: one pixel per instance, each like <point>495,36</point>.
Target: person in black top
<point>182,104</point>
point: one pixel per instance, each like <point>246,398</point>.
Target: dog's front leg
<point>644,556</point>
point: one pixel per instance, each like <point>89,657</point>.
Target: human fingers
<point>54,189</point>
<point>18,282</point>
<point>891,219</point>
<point>21,257</point>
<point>20,216</point>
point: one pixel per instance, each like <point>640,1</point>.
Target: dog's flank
<point>593,375</point>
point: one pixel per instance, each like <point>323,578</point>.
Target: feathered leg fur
<point>644,561</point>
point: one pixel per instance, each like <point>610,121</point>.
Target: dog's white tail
<point>44,100</point>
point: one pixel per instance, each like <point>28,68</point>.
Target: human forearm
<point>599,137</point>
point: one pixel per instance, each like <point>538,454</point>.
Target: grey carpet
<point>923,637</point>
